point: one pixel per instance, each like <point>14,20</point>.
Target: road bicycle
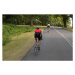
<point>36,48</point>
<point>48,30</point>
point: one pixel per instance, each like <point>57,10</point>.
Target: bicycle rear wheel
<point>35,50</point>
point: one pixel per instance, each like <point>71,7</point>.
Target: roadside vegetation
<point>17,40</point>
<point>12,30</point>
<point>68,28</point>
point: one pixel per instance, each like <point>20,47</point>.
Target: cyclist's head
<point>37,28</point>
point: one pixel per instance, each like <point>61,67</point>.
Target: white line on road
<point>65,38</point>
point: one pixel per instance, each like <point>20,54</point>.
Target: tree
<point>65,18</point>
<point>6,18</point>
<point>31,20</point>
<point>37,19</point>
<point>44,19</point>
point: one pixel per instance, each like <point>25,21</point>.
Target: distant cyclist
<point>48,27</point>
<point>38,34</point>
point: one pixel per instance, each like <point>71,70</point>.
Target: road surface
<point>57,45</point>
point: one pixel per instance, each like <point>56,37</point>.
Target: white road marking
<point>65,37</point>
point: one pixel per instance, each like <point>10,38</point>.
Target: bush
<point>6,39</point>
<point>11,30</point>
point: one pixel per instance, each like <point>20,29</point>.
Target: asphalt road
<point>55,46</point>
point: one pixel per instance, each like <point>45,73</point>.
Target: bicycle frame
<point>48,30</point>
<point>36,47</point>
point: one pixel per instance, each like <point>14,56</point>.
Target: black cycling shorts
<point>48,26</point>
<point>37,35</point>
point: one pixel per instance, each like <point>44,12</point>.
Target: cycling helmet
<point>37,28</point>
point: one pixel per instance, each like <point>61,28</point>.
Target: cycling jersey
<point>48,25</point>
<point>38,30</point>
<point>37,34</point>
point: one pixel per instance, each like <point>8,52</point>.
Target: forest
<point>35,19</point>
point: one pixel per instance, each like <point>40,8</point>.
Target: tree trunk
<point>31,20</point>
<point>65,20</point>
<point>65,24</point>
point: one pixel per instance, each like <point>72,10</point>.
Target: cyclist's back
<point>48,26</point>
<point>37,33</point>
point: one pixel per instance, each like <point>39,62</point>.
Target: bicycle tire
<point>35,50</point>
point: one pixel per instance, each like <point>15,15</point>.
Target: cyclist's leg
<point>35,38</point>
<point>35,41</point>
<point>39,42</point>
<point>39,39</point>
<point>39,45</point>
<point>47,28</point>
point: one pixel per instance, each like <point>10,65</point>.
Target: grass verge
<point>19,46</point>
<point>68,28</point>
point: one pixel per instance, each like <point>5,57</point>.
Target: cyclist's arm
<point>34,34</point>
<point>41,35</point>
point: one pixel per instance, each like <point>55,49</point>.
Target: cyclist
<point>48,27</point>
<point>38,34</point>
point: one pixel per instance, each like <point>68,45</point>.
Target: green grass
<point>68,28</point>
<point>12,30</point>
<point>21,41</point>
<point>18,47</point>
